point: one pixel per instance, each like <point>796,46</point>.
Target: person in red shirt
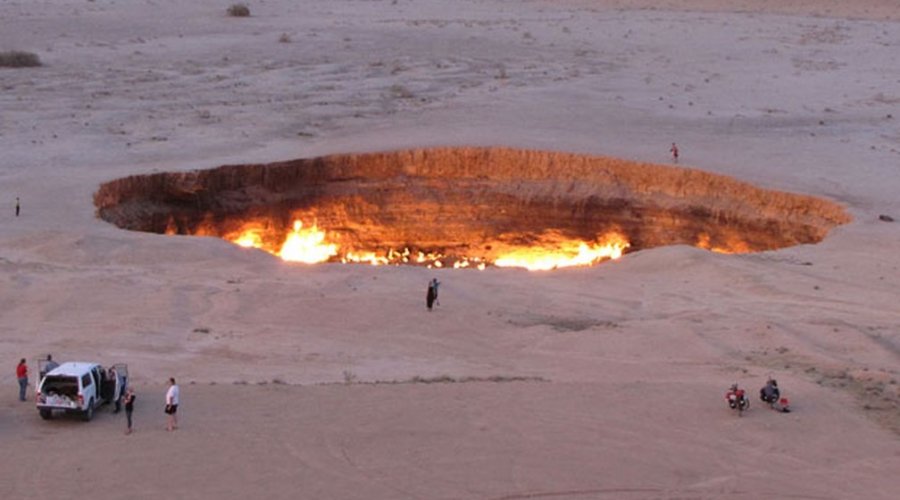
<point>22,375</point>
<point>674,151</point>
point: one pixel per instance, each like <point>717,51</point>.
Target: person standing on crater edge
<point>674,151</point>
<point>430,295</point>
<point>434,284</point>
<point>18,206</point>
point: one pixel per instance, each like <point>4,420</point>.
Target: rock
<point>885,218</point>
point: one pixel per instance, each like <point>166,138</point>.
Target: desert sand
<point>333,381</point>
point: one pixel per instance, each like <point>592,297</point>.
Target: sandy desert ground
<point>332,381</point>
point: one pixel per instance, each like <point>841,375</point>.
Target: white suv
<point>77,387</point>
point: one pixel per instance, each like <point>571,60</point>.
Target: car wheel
<point>46,413</point>
<point>89,412</point>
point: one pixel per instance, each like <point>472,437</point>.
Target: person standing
<point>129,408</point>
<point>49,365</point>
<point>172,405</point>
<point>435,284</point>
<point>18,207</point>
<point>430,295</point>
<point>22,375</point>
<point>674,151</point>
<point>113,376</point>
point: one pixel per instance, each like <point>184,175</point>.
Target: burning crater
<point>465,207</point>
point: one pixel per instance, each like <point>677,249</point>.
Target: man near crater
<point>431,296</point>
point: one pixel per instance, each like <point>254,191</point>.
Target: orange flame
<point>564,254</point>
<point>733,244</point>
<point>362,257</point>
<point>550,250</point>
<point>249,239</point>
<point>306,245</point>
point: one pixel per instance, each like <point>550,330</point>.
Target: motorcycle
<point>737,400</point>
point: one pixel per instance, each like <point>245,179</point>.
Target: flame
<point>549,250</point>
<point>370,257</point>
<point>465,262</point>
<point>733,244</point>
<point>306,245</point>
<point>251,235</point>
<point>249,239</point>
<point>171,227</point>
<point>564,254</point>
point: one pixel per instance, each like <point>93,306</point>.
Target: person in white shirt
<point>172,405</point>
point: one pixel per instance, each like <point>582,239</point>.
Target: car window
<point>85,380</point>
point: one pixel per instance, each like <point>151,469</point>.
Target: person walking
<point>18,206</point>
<point>674,151</point>
<point>172,405</point>
<point>22,375</point>
<point>129,408</point>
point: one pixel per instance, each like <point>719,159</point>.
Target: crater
<point>466,207</point>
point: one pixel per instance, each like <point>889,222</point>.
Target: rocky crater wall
<point>464,200</point>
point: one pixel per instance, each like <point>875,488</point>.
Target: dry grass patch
<point>19,59</point>
<point>401,92</point>
<point>239,10</point>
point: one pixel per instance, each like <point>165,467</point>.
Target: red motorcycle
<point>737,399</point>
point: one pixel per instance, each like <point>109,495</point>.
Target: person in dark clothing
<point>18,207</point>
<point>129,408</point>
<point>435,284</point>
<point>772,395</point>
<point>770,392</point>
<point>50,363</point>
<point>430,296</point>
